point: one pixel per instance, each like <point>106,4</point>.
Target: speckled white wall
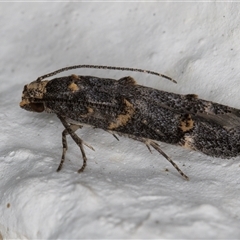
<point>125,191</point>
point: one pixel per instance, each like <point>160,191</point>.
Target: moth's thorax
<point>31,93</point>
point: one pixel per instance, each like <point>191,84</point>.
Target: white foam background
<point>125,192</point>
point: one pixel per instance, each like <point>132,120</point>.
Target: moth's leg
<point>115,136</point>
<point>65,147</point>
<point>156,146</point>
<point>111,132</point>
<point>64,144</point>
<point>70,129</point>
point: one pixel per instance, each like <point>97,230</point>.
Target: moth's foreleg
<point>157,147</point>
<point>70,129</point>
<point>65,147</point>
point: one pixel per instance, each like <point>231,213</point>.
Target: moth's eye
<point>37,107</point>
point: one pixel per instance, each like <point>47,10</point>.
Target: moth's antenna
<point>104,67</point>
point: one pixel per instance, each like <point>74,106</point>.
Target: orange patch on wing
<point>186,124</point>
<point>73,87</point>
<point>123,119</point>
<point>89,113</point>
<point>188,142</point>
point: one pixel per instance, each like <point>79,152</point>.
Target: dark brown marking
<point>37,107</point>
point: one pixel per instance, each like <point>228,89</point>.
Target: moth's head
<point>31,96</point>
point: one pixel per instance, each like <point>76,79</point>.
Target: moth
<point>124,108</point>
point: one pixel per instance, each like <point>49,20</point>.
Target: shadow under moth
<point>122,107</point>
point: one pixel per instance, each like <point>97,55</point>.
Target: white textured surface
<point>125,191</point>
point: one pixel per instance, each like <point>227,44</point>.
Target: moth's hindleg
<point>70,129</point>
<point>156,146</point>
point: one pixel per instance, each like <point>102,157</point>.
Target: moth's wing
<point>227,120</point>
<point>223,115</point>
